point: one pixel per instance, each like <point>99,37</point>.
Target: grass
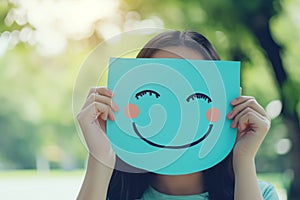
<point>31,173</point>
<point>59,184</point>
<point>31,185</point>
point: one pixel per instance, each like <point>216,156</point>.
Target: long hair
<point>219,179</point>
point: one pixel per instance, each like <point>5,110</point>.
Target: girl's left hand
<point>252,123</point>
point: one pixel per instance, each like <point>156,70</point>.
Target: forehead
<point>178,52</point>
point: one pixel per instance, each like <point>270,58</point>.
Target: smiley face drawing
<point>172,117</point>
<point>213,115</point>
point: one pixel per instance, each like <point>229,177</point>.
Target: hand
<point>252,124</point>
<point>92,120</point>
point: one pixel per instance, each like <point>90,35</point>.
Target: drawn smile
<point>175,146</point>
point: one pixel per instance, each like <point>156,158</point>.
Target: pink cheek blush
<point>213,115</point>
<point>131,111</point>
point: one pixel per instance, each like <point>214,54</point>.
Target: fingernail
<point>229,115</point>
<point>232,125</point>
<point>113,118</point>
<point>115,106</point>
<point>233,101</point>
<point>110,92</point>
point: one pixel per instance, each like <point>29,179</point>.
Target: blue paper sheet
<point>172,117</point>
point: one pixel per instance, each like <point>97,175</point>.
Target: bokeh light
<point>274,109</point>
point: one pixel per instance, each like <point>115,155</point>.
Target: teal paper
<point>173,96</point>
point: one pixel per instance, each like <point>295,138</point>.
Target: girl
<point>233,178</point>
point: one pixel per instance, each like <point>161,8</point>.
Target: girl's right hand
<point>97,108</point>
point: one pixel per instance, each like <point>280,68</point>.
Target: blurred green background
<point>44,43</point>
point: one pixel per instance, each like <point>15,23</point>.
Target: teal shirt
<point>267,190</point>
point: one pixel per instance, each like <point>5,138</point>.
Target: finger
<point>92,111</point>
<point>111,115</point>
<point>94,97</point>
<point>240,99</point>
<point>239,115</point>
<point>102,90</point>
<point>104,115</point>
<point>251,103</point>
<point>108,112</point>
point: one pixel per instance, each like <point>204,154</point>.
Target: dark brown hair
<point>218,180</point>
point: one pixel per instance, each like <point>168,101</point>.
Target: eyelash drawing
<point>142,93</point>
<point>199,96</point>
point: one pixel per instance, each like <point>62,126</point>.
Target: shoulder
<point>267,190</point>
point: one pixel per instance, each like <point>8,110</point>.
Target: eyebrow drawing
<point>142,93</point>
<point>199,96</point>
